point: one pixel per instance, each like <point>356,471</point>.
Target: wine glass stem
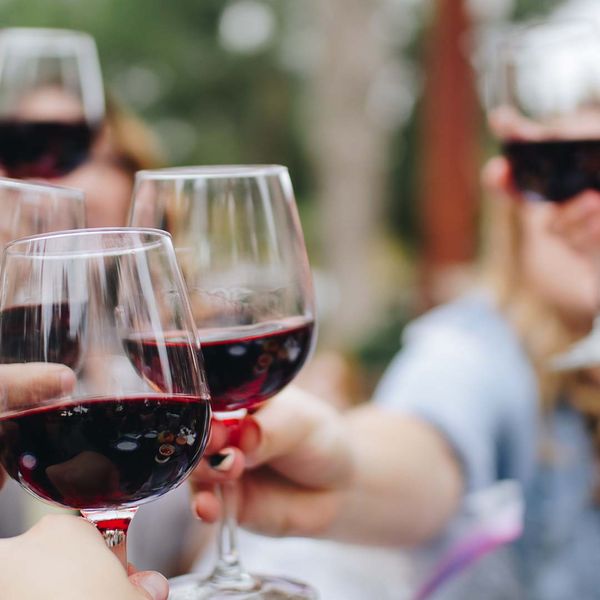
<point>113,525</point>
<point>228,571</point>
<point>116,540</point>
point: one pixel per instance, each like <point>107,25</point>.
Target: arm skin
<point>365,476</point>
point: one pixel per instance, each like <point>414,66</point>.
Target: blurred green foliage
<point>211,105</point>
<point>166,61</point>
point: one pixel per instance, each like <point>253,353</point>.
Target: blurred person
<point>469,401</point>
<point>121,146</point>
<point>163,533</point>
<point>125,145</point>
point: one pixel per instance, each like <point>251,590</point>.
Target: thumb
<point>152,585</point>
<point>27,383</point>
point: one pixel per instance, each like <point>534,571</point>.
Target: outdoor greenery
<point>212,98</point>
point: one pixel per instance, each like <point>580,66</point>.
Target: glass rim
<point>238,171</point>
<point>43,32</point>
<point>518,37</point>
<point>8,182</point>
<point>73,400</point>
<point>12,248</point>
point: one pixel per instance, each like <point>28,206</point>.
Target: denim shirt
<point>463,370</point>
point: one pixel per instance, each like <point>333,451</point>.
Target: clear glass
<point>240,246</point>
<point>32,208</point>
<point>544,106</point>
<point>111,305</point>
<point>51,101</point>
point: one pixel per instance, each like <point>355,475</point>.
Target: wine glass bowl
<point>31,208</point>
<point>92,300</point>
<point>51,101</point>
<point>239,244</point>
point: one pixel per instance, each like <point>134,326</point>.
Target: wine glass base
<point>189,587</point>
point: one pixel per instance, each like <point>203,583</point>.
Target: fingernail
<point>155,584</point>
<point>223,461</point>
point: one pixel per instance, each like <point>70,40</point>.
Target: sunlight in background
<point>246,26</point>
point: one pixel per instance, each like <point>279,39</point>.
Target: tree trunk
<point>349,151</point>
<point>449,177</point>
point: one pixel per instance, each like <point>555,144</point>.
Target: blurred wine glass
<point>544,106</point>
<point>51,101</point>
<point>32,208</point>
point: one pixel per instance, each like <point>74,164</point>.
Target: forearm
<point>406,482</point>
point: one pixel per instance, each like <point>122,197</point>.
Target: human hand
<point>297,459</point>
<point>65,557</point>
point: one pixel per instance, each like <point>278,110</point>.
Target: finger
<point>303,438</point>
<point>274,506</point>
<point>206,505</point>
<point>151,585</point>
<point>226,465</point>
<point>26,383</point>
<point>284,423</point>
<point>218,437</point>
<point>249,437</point>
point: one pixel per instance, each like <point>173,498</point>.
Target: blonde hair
<point>134,145</point>
<point>540,327</point>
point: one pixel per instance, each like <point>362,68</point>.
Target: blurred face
<point>107,191</point>
<point>560,246</point>
<point>564,277</point>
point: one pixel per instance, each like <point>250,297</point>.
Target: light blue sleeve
<point>463,371</point>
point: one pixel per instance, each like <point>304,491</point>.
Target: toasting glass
<point>544,105</point>
<point>51,101</point>
<point>32,208</point>
<point>133,421</point>
<point>240,246</point>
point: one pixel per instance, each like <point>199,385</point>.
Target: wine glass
<point>51,101</point>
<point>105,303</point>
<point>240,246</point>
<point>31,208</point>
<point>544,105</point>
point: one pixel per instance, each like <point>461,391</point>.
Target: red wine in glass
<point>245,366</point>
<point>554,170</point>
<point>44,149</point>
<point>105,452</point>
<point>107,442</point>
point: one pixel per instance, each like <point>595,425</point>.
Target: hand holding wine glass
<point>240,246</point>
<point>297,468</point>
<point>136,422</point>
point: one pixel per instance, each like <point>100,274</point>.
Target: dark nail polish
<point>221,461</point>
